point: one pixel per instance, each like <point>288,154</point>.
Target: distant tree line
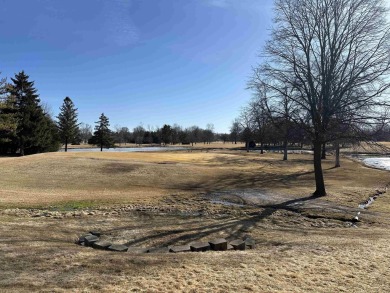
<point>166,135</point>
<point>26,126</point>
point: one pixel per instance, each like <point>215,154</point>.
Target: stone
<point>218,244</point>
<point>88,239</point>
<point>118,248</point>
<point>137,250</point>
<point>180,248</point>
<point>230,247</point>
<point>200,246</point>
<point>96,233</point>
<point>250,243</point>
<point>158,250</point>
<point>238,244</point>
<point>101,244</point>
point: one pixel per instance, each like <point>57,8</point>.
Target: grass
<point>301,250</point>
<point>57,178</point>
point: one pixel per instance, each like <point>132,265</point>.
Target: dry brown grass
<point>296,252</point>
<point>145,177</point>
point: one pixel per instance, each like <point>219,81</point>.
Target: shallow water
<point>127,150</point>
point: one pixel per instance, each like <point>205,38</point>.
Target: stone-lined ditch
<point>93,239</point>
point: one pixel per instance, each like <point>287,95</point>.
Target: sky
<point>140,62</point>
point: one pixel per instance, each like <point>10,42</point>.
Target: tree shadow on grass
<point>248,180</point>
<point>235,228</point>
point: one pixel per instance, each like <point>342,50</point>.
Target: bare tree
<point>194,133</point>
<point>138,134</point>
<point>208,133</point>
<point>334,55</point>
<point>247,124</point>
<point>277,109</point>
<point>85,132</point>
<point>235,131</point>
<point>260,117</point>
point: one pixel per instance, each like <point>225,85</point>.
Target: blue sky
<point>138,61</point>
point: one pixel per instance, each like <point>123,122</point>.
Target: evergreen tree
<point>35,130</point>
<point>8,122</point>
<point>102,135</point>
<point>67,122</point>
<point>166,134</point>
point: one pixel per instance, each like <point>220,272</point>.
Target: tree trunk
<point>285,150</point>
<point>247,146</point>
<point>323,154</point>
<point>319,177</point>
<point>22,147</point>
<point>337,162</point>
<point>66,145</point>
<point>261,148</point>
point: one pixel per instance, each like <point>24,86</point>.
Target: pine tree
<point>67,122</point>
<point>102,135</point>
<point>8,121</point>
<point>35,130</point>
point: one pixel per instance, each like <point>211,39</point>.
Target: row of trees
<point>26,128</point>
<point>166,135</point>
<point>324,76</point>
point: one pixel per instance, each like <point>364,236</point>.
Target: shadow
<point>116,168</point>
<point>247,180</point>
<point>235,228</point>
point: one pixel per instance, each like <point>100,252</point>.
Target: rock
<point>180,248</point>
<point>158,250</point>
<point>355,219</point>
<point>81,239</point>
<point>200,246</point>
<point>229,247</point>
<point>218,244</point>
<point>90,239</point>
<point>118,247</point>
<point>101,244</point>
<point>250,243</point>
<point>238,244</point>
<point>137,250</point>
<point>96,233</point>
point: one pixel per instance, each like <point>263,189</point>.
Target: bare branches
<point>331,60</point>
